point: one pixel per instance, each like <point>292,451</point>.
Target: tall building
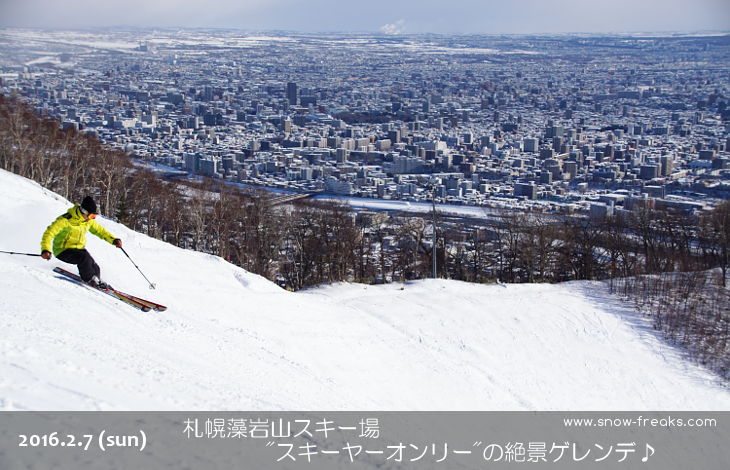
<point>526,189</point>
<point>554,131</point>
<point>667,163</point>
<point>403,165</point>
<point>650,171</point>
<point>599,211</point>
<point>307,100</point>
<point>571,168</point>
<point>192,162</point>
<point>557,143</point>
<point>209,166</point>
<point>708,154</point>
<point>546,153</point>
<point>291,93</point>
<point>656,192</point>
<point>531,145</point>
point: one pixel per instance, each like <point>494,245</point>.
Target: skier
<point>68,235</point>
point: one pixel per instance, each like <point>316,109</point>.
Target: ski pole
<point>14,253</point>
<point>152,286</point>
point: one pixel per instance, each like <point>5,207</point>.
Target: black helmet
<point>89,206</point>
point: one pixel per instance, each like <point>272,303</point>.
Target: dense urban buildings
<point>560,123</point>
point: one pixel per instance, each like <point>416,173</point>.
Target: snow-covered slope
<point>233,340</point>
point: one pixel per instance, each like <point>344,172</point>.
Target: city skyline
<point>491,121</point>
<point>379,16</point>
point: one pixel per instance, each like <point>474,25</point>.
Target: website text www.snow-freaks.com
<point>667,422</point>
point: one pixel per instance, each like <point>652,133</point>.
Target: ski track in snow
<point>231,340</point>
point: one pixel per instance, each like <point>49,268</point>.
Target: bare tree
<point>110,169</point>
<point>538,245</point>
<point>714,235</point>
<point>508,228</point>
<point>579,249</point>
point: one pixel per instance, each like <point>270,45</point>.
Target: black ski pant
<point>81,258</point>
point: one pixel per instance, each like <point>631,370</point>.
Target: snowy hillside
<point>233,340</point>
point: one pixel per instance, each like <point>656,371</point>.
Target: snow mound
<point>231,340</point>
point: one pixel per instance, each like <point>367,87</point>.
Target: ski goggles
<point>87,213</point>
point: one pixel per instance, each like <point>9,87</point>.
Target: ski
<point>149,303</point>
<point>126,300</point>
<point>111,292</point>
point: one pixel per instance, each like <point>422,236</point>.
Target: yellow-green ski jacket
<point>69,231</point>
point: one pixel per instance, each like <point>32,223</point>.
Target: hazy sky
<point>391,16</point>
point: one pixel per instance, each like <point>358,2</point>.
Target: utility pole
<point>433,250</point>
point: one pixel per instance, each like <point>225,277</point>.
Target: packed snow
<point>232,340</point>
